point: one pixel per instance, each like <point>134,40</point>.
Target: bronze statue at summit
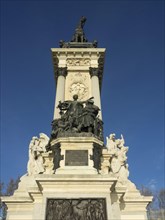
<point>78,119</point>
<point>79,35</point>
<point>78,39</point>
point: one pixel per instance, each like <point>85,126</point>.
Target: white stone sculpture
<point>118,158</point>
<point>111,142</point>
<point>36,148</point>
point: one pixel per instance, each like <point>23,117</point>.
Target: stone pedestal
<point>30,201</point>
<point>77,155</point>
<point>73,185</point>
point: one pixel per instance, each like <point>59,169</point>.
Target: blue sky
<point>132,93</point>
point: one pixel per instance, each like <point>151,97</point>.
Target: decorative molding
<point>78,62</point>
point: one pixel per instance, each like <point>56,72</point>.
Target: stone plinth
<point>77,155</point>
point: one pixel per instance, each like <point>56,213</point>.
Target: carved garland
<point>78,62</point>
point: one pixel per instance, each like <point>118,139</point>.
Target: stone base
<point>29,202</point>
<point>78,186</point>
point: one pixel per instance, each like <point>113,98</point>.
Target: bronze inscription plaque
<point>76,158</point>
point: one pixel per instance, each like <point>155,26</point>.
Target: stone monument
<point>72,174</point>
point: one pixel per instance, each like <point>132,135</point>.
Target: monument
<point>72,174</point>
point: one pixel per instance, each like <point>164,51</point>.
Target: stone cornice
<point>71,50</point>
<point>76,140</point>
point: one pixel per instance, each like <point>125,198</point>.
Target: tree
<point>156,209</point>
<point>12,186</point>
<point>2,211</point>
<point>161,203</point>
<point>161,199</point>
<point>145,191</point>
<point>7,190</point>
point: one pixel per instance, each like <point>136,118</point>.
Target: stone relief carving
<point>79,89</point>
<point>78,77</point>
<point>78,62</point>
<point>78,84</point>
<point>36,148</point>
<point>76,209</point>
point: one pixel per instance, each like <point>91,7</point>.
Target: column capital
<point>62,71</point>
<point>94,71</point>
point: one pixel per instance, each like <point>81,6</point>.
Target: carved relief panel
<point>78,83</point>
<point>78,62</point>
<point>76,209</point>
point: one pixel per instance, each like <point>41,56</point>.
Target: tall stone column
<point>94,72</point>
<point>60,89</point>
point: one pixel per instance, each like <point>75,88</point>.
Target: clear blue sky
<point>132,91</point>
